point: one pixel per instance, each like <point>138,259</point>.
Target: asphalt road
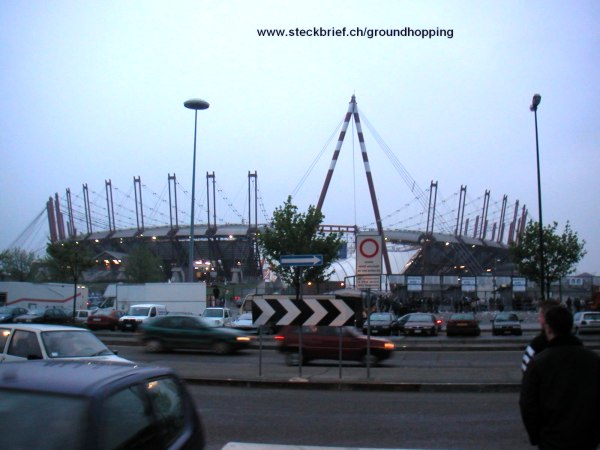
<point>360,419</point>
<point>482,363</point>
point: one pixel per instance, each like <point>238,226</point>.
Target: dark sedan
<point>384,323</point>
<point>48,315</point>
<point>421,324</point>
<point>463,324</point>
<point>93,406</point>
<point>9,313</point>
<point>191,332</point>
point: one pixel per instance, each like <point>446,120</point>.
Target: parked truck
<point>42,295</point>
<point>188,298</point>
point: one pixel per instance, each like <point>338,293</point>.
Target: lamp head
<point>196,104</point>
<point>537,98</point>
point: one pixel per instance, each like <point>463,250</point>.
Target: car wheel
<point>153,346</point>
<point>221,348</point>
<point>370,360</point>
<point>292,358</point>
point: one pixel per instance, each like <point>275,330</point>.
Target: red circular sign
<point>369,248</point>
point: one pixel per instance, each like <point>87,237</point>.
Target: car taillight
<point>279,337</point>
<point>389,346</point>
<point>438,322</point>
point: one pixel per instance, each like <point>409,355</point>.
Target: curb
<point>366,385</point>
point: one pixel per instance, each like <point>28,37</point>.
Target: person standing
<point>539,342</point>
<point>560,391</point>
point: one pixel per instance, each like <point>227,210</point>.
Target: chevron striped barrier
<point>306,311</point>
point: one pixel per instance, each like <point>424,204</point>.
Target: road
<point>499,367</point>
<point>360,419</point>
<point>436,418</point>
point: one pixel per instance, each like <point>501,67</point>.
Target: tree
<point>143,266</point>
<point>561,253</point>
<point>295,233</point>
<point>66,261</point>
<point>16,264</point>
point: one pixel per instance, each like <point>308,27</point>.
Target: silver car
<point>586,322</point>
<point>22,342</point>
<point>506,323</point>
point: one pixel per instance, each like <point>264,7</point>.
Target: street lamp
<point>195,104</point>
<point>537,98</point>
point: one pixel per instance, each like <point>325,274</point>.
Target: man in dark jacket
<point>540,342</point>
<point>560,393</point>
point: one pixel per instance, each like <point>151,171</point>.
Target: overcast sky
<point>93,91</point>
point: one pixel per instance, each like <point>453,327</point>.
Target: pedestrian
<point>560,392</point>
<point>216,295</point>
<point>539,342</point>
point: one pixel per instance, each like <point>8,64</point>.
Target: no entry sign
<point>368,261</point>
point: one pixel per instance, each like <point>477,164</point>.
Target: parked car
<point>105,320</point>
<point>506,323</point>
<point>383,323</point>
<point>81,315</point>
<point>138,314</point>
<point>406,317</point>
<point>244,322</point>
<point>191,332</point>
<point>93,406</point>
<point>217,317</point>
<point>324,343</point>
<point>463,324</point>
<point>21,341</point>
<point>586,322</point>
<point>421,323</point>
<point>8,313</point>
<point>48,315</point>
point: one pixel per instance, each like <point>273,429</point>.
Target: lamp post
<point>195,104</point>
<point>537,98</point>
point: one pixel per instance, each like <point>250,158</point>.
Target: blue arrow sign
<point>301,260</point>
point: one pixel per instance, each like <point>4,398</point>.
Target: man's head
<point>558,322</point>
<point>544,307</point>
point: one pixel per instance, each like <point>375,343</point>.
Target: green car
<point>191,332</point>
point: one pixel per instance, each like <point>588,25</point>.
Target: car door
<point>23,345</point>
<point>191,334</point>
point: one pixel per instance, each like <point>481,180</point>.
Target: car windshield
<point>419,318</point>
<point>213,313</point>
<point>381,316</point>
<point>37,311</point>
<point>73,344</point>
<point>138,311</point>
<point>58,420</point>
<point>245,316</point>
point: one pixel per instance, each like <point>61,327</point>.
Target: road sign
<point>301,260</point>
<point>306,311</point>
<point>368,261</point>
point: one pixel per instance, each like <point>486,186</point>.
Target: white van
<point>138,314</point>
